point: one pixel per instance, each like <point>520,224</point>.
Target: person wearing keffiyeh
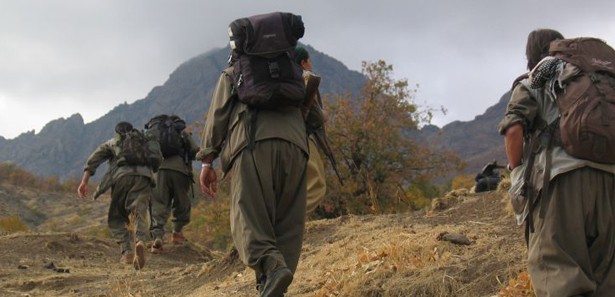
<point>569,208</point>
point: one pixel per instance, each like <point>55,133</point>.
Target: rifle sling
<point>250,120</point>
<point>528,190</point>
<point>543,140</point>
<point>547,176</point>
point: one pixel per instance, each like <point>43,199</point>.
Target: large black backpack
<point>168,130</point>
<point>132,149</point>
<point>265,74</point>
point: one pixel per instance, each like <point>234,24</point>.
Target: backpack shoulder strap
<point>228,71</point>
<point>519,79</point>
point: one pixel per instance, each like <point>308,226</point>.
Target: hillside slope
<point>385,255</point>
<point>477,142</point>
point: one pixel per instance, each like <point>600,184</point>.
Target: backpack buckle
<point>274,69</point>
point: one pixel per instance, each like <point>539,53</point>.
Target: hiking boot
<point>157,246</point>
<point>127,258</point>
<point>178,238</point>
<point>139,259</point>
<point>277,283</point>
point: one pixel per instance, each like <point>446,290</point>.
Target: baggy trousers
<point>130,195</point>
<point>268,205</point>
<point>315,178</point>
<point>572,249</point>
<point>170,194</point>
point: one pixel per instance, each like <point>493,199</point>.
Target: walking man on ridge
<point>132,158</point>
<point>263,147</point>
<point>174,178</point>
<point>315,120</point>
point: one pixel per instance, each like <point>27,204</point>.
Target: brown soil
<point>386,255</point>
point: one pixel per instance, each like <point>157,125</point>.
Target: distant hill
<point>476,141</point>
<point>63,145</point>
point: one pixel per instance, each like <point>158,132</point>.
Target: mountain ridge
<point>63,145</point>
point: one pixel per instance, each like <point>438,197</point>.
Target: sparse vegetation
<point>462,182</point>
<point>14,175</point>
<point>210,219</point>
<point>12,224</point>
<point>210,225</point>
<point>385,169</point>
<point>99,231</point>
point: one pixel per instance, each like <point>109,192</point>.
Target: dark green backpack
<point>132,149</point>
<point>168,130</point>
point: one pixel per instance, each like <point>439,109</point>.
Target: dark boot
<point>277,283</point>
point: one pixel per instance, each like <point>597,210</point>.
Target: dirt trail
<point>387,255</point>
<point>64,264</point>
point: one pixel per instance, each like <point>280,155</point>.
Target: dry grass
<point>125,288</point>
<point>400,255</point>
<point>521,286</point>
<point>463,182</point>
<point>416,264</point>
<point>504,185</point>
<point>12,224</point>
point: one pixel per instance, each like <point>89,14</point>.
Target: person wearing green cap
<point>315,119</point>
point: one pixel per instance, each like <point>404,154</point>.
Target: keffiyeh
<point>553,75</point>
<point>546,69</point>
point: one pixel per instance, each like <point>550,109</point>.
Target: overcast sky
<point>62,57</point>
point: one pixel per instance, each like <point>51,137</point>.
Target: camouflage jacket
<point>107,152</point>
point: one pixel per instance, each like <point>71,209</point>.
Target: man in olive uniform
<point>131,192</point>
<point>314,119</point>
<point>172,192</point>
<point>267,181</point>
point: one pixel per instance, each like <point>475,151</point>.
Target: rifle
<point>313,97</point>
<point>321,141</point>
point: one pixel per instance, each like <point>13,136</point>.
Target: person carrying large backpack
<point>563,171</point>
<point>133,158</point>
<point>174,178</point>
<point>256,127</point>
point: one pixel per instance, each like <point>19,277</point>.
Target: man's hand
<point>82,190</point>
<point>208,181</point>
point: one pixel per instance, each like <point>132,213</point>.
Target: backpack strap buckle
<point>274,70</point>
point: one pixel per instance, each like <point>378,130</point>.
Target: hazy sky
<point>62,57</point>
